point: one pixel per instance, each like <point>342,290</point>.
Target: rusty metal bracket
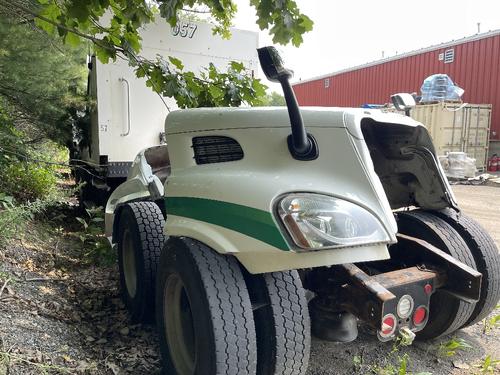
<point>371,297</point>
<point>363,296</point>
<point>461,281</point>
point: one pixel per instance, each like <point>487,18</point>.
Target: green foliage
<point>14,217</point>
<point>491,322</point>
<point>274,100</point>
<point>26,187</point>
<point>27,181</point>
<point>82,18</point>
<point>357,362</point>
<point>451,347</point>
<point>75,21</point>
<point>489,365</point>
<point>401,368</point>
<point>8,358</point>
<point>97,249</point>
<point>284,19</point>
<point>40,80</point>
<point>20,178</point>
<point>211,89</point>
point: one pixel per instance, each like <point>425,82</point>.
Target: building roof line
<point>435,47</point>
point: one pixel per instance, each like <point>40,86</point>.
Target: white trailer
<point>128,116</point>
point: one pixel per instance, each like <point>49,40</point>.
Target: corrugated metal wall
<point>476,68</point>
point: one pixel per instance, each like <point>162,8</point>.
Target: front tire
<point>447,313</point>
<point>203,312</point>
<point>140,240</point>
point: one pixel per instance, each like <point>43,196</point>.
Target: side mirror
<point>302,146</point>
<point>272,64</point>
<point>403,102</point>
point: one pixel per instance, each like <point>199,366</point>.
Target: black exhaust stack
<point>302,146</point>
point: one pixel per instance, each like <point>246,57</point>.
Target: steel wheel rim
<point>179,325</point>
<point>129,266</point>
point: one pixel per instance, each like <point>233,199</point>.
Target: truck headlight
<point>316,221</point>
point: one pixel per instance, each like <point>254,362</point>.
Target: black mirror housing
<point>272,64</point>
<point>302,146</point>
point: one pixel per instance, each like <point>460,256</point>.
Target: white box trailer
<point>127,115</point>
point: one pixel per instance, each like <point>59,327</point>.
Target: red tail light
<point>420,315</point>
<point>388,325</point>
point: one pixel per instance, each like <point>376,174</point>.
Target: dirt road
<point>61,316</point>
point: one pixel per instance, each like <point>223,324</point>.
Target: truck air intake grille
<point>215,149</point>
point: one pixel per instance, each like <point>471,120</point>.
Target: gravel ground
<point>59,315</point>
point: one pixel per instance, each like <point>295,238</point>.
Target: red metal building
<point>473,63</point>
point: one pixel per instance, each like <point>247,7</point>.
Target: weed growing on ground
<point>42,368</point>
<point>93,238</point>
<point>357,362</point>
<point>491,322</point>
<point>394,363</point>
<point>13,218</point>
<point>489,365</point>
<point>401,368</point>
<point>452,346</point>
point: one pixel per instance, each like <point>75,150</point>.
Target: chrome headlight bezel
<point>298,231</point>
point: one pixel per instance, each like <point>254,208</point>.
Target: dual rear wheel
<point>215,319</point>
<point>465,240</point>
<point>212,316</point>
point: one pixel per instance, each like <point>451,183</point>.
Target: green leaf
<point>171,88</point>
<point>45,26</point>
<point>237,66</point>
<point>132,39</point>
<point>83,222</point>
<point>78,10</point>
<point>216,92</point>
<point>72,39</point>
<point>103,54</point>
<point>176,62</point>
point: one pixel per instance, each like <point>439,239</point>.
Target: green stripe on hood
<point>249,221</point>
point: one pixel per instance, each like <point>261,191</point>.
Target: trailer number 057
<point>184,29</point>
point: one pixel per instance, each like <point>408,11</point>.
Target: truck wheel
<point>487,259</point>
<point>447,313</point>
<point>140,240</point>
<point>203,312</point>
<point>282,323</point>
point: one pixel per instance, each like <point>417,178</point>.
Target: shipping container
<point>457,127</point>
<point>473,63</point>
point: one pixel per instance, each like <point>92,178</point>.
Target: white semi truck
<point>128,116</point>
<point>220,236</point>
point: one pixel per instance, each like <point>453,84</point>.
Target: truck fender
<point>141,184</point>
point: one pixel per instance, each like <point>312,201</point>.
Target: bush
<point>27,182</point>
<point>22,175</point>
<point>27,186</point>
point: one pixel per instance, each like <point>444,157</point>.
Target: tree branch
<point>68,29</point>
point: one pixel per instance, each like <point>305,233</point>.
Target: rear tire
<point>447,313</point>
<point>487,259</point>
<point>203,311</point>
<point>282,323</point>
<point>140,240</point>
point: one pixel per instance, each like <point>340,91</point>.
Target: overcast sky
<point>349,33</point>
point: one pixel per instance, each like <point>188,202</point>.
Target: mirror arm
<point>302,146</point>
